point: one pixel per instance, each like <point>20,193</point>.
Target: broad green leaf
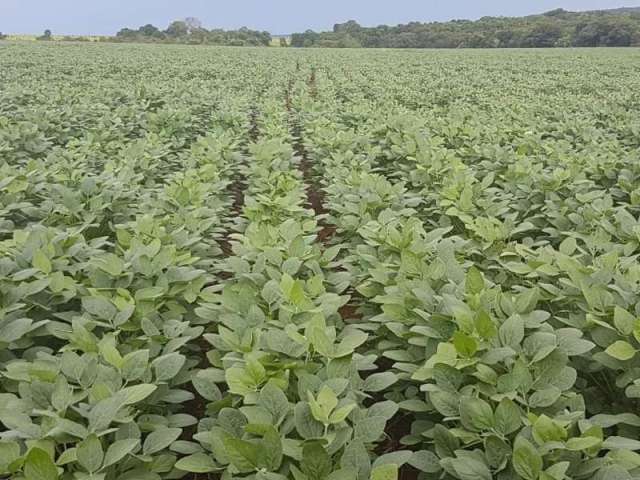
<point>136,393</point>
<point>476,414</point>
<point>527,462</point>
<point>379,381</point>
<point>197,463</point>
<point>385,472</point>
<point>168,366</point>
<point>621,350</point>
<point>42,262</point>
<point>120,449</point>
<point>90,453</point>
<point>160,439</point>
<point>243,454</point>
<point>507,417</point>
<point>274,401</point>
<point>38,465</point>
<point>316,463</point>
<point>369,429</point>
<point>474,282</point>
<point>465,345</point>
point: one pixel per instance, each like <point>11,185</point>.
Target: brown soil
<point>350,312</point>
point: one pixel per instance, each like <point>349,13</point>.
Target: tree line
<point>188,31</point>
<point>557,28</point>
<point>191,31</point>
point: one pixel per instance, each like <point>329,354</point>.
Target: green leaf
<point>42,262</point>
<point>327,399</point>
<point>398,458</point>
<point>39,466</point>
<point>507,417</point>
<point>66,457</point>
<point>568,246</point>
<point>62,395</point>
<point>197,463</point>
<point>239,381</point>
<point>90,454</point>
<point>271,451</point>
<point>474,283</point>
<point>104,412</point>
<point>205,384</point>
<point>109,351</point>
<point>242,454</point>
<point>485,326</point>
<point>343,474</point>
<point>469,468</point>
<point>621,443</point>
<point>385,472</point>
<point>425,461</point>
<point>274,401</point>
<point>356,457</point>
<point>582,443</point>
<point>119,449</point>
<point>476,414</point>
<point>316,463</point>
<point>306,425</point>
<point>9,452</point>
<point>99,307</point>
<point>160,439</point>
<point>497,452</point>
<point>379,381</point>
<point>135,365</point>
<point>511,332</point>
<point>546,430</point>
<point>465,345</point>
<point>136,393</point>
<point>168,366</point>
<point>149,293</point>
<point>340,414</point>
<point>621,350</point>
<point>624,321</point>
<point>350,342</point>
<point>446,403</point>
<point>544,398</point>
<point>110,263</point>
<point>15,330</point>
<point>558,471</point>
<point>369,429</point>
<point>527,462</point>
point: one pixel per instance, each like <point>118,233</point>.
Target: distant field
<point>275,40</point>
<point>92,38</point>
<point>318,264</point>
<point>21,37</point>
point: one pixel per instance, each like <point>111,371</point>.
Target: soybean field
<point>278,264</point>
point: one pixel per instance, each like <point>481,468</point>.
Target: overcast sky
<point>103,17</point>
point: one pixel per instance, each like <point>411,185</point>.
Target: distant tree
<point>348,27</point>
<point>543,34</point>
<point>555,13</point>
<point>47,36</point>
<point>2,36</point>
<point>283,42</point>
<point>193,24</point>
<point>557,28</point>
<point>149,30</point>
<point>177,29</point>
<point>72,38</point>
<point>306,39</point>
<point>126,33</point>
